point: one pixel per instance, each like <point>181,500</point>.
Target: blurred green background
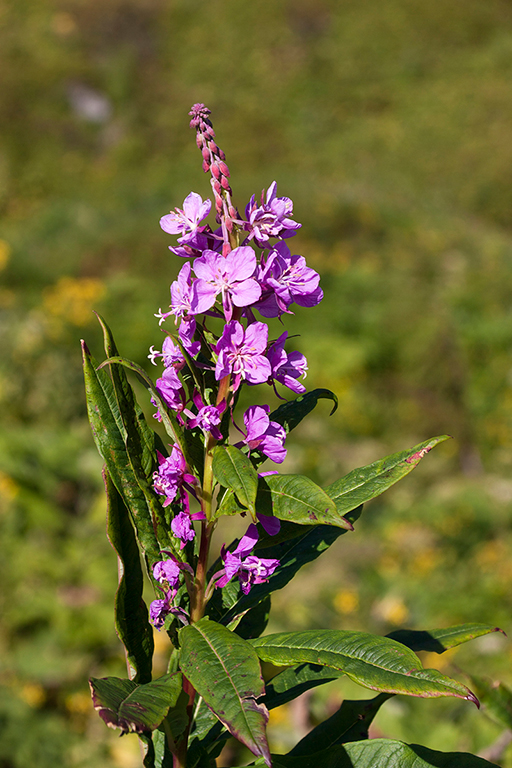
<point>389,125</point>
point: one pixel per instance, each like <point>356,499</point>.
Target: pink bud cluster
<point>214,161</point>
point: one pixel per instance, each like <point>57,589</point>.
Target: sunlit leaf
<point>224,669</point>
<point>375,662</point>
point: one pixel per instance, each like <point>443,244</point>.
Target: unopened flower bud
<point>206,166</point>
<point>225,184</point>
<point>223,168</point>
<point>215,171</point>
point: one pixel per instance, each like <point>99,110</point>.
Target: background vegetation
<point>389,125</point>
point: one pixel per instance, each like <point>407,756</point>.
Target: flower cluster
<point>238,269</point>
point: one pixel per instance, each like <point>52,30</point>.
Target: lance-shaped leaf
<point>349,723</point>
<point>109,434</point>
<point>224,669</point>
<point>291,413</point>
<point>294,546</point>
<point>131,614</point>
<point>135,708</point>
<point>441,640</point>
<point>366,483</point>
<point>233,470</point>
<point>375,662</point>
<point>379,753</point>
<point>130,411</point>
<point>298,499</point>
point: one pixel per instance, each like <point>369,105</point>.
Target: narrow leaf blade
<point>224,669</point>
<point>375,662</point>
<point>441,640</point>
<point>109,434</point>
<point>366,483</point>
<point>233,470</point>
<point>298,499</point>
<point>131,614</point>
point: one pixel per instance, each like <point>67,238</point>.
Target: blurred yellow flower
<point>33,694</point>
<point>5,252</point>
<point>73,299</point>
<point>346,601</point>
<point>391,609</point>
<point>8,487</point>
<point>79,703</point>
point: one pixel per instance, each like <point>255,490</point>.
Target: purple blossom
<point>270,524</point>
<point>287,368</point>
<point>182,528</point>
<point>264,435</point>
<point>186,222</point>
<point>286,279</point>
<point>270,219</point>
<point>170,388</point>
<point>186,333</point>
<point>171,475</point>
<point>160,609</point>
<point>181,292</point>
<point>250,570</point>
<point>241,353</point>
<point>231,276</point>
<point>167,570</point>
<point>171,354</point>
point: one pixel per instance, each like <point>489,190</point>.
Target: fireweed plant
<point>165,501</point>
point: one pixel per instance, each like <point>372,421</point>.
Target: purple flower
<point>287,368</point>
<point>181,292</point>
<point>186,222</point>
<point>241,353</point>
<point>270,524</point>
<point>271,218</point>
<point>167,570</point>
<point>264,435</point>
<point>159,610</point>
<point>286,279</point>
<point>170,388</point>
<point>171,475</point>
<point>250,570</point>
<point>186,333</point>
<point>182,528</point>
<point>171,354</point>
<point>231,276</point>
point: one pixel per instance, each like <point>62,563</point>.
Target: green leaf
<point>349,723</point>
<point>169,420</point>
<point>379,753</point>
<point>294,546</point>
<point>233,470</point>
<point>291,682</point>
<point>375,662</point>
<point>366,483</point>
<point>110,436</point>
<point>131,707</point>
<point>224,669</point>
<point>131,614</point>
<point>496,699</point>
<point>298,499</point>
<point>290,414</point>
<point>441,640</point>
<point>254,621</point>
<point>147,438</point>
